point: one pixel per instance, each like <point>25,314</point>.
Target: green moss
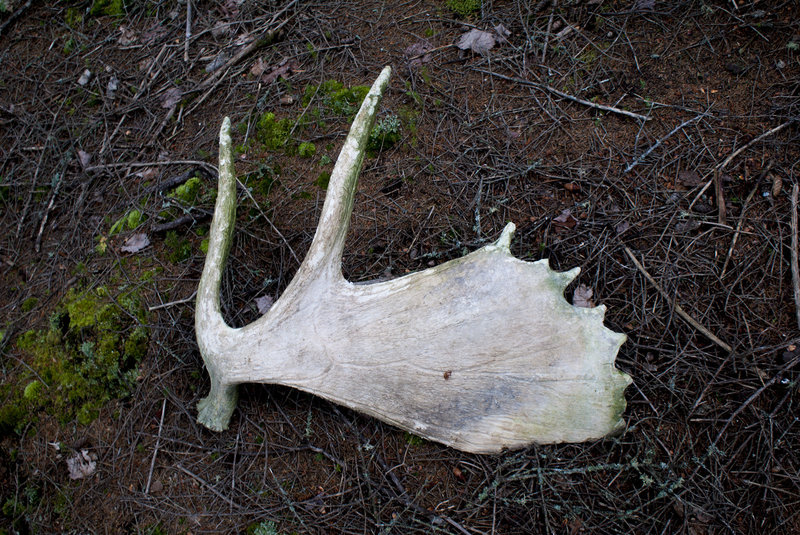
<point>334,98</point>
<point>273,132</point>
<point>178,248</point>
<point>306,150</point>
<point>33,391</point>
<point>323,179</point>
<point>131,220</point>
<point>188,191</point>
<point>29,304</point>
<point>204,246</point>
<point>87,357</point>
<point>464,8</point>
<point>73,17</point>
<point>110,8</point>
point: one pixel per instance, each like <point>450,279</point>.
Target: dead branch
<point>795,270</point>
<point>679,309</point>
<point>553,90</point>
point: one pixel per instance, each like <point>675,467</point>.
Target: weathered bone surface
<point>480,353</point>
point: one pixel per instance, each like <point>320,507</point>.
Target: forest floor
<point>653,144</point>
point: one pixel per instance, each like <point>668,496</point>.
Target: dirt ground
<point>654,144</point>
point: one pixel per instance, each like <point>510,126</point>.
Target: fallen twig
<point>209,167</point>
<point>205,483</point>
<point>543,87</point>
<point>681,312</point>
<point>155,449</point>
<point>14,16</point>
<point>795,270</point>
<point>736,153</point>
<point>639,159</point>
<point>760,176</point>
<point>59,181</point>
<point>172,303</point>
<point>188,31</point>
<point>720,195</point>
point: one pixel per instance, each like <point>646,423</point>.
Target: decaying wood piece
<point>480,353</point>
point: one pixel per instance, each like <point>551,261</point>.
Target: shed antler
<point>480,353</point>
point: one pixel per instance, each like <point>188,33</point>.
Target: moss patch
<point>87,357</point>
<point>178,248</point>
<point>188,192</point>
<point>464,8</point>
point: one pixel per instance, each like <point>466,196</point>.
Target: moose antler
<point>480,353</point>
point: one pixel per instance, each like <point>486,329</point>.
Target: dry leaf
<point>582,297</point>
<point>565,220</point>
<point>221,29</point>
<point>258,68</point>
<point>478,41</point>
<point>502,33</point>
<point>84,158</point>
<point>264,303</point>
<point>135,243</point>
<point>621,227</point>
<point>281,71</point>
<point>84,78</point>
<point>689,178</point>
<point>82,464</point>
<point>111,88</point>
<point>417,53</point>
<point>777,185</point>
<point>171,97</point>
<point>127,36</point>
<point>217,62</point>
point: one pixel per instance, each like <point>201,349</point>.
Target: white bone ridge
<point>480,353</point>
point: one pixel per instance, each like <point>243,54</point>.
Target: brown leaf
<point>572,187</point>
<point>565,220</point>
<point>171,97</point>
<point>689,178</point>
<point>777,184</point>
<point>476,40</point>
<point>258,68</point>
<point>582,296</point>
<point>286,67</point>
<point>417,53</point>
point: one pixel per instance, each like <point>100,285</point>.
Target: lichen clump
<point>87,357</point>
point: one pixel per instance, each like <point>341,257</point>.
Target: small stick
<point>543,87</point>
<point>208,166</point>
<point>646,153</point>
<point>737,152</point>
<point>171,303</point>
<point>758,180</point>
<point>214,491</point>
<point>155,450</point>
<point>38,244</point>
<point>721,211</point>
<point>15,15</point>
<point>738,230</point>
<point>188,31</point>
<point>549,29</point>
<point>795,269</point>
<point>681,312</point>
